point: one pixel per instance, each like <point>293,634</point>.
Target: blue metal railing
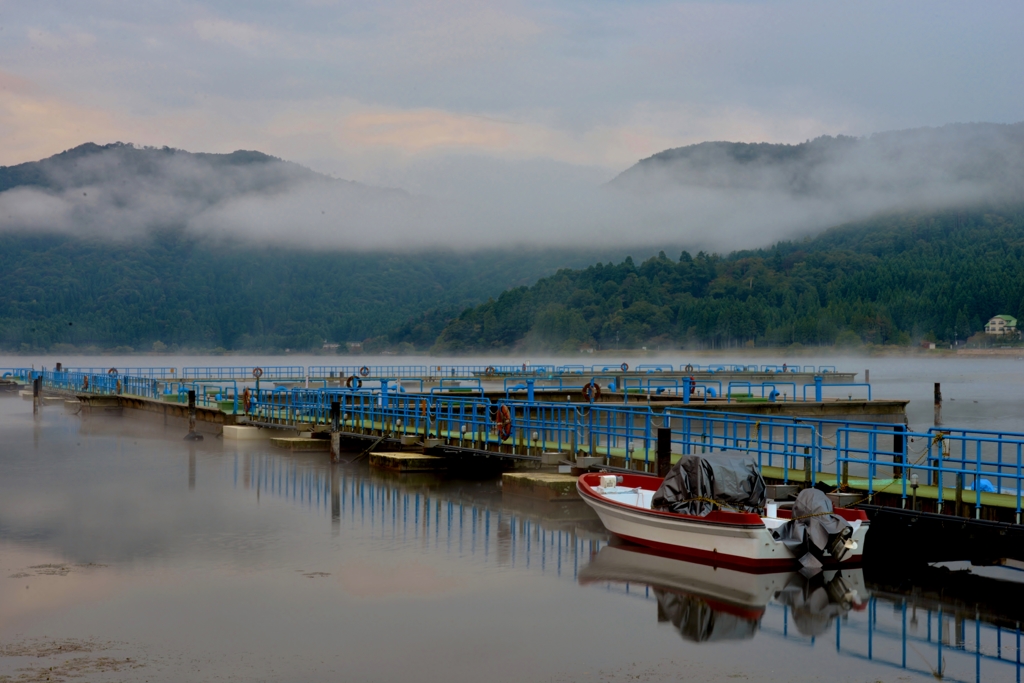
<point>886,456</point>
<point>149,373</point>
<point>819,386</point>
<point>245,372</point>
<point>958,459</point>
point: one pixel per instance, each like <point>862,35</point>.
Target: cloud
<point>468,201</point>
<point>63,39</point>
<point>238,35</point>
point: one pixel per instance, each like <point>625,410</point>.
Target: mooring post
<point>335,431</point>
<point>898,446</point>
<point>817,388</point>
<point>37,385</point>
<point>664,455</point>
<point>938,404</point>
<point>867,376</point>
<point>192,434</point>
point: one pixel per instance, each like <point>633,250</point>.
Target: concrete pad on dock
<point>300,444</point>
<point>244,433</point>
<point>547,486</point>
<point>407,462</point>
<point>52,400</point>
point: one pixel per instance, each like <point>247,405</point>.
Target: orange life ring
<point>489,370</point>
<point>364,371</point>
<point>624,366</point>
<point>246,400</point>
<point>688,368</point>
<point>353,380</point>
<point>503,422</point>
<point>592,391</point>
<point>112,371</point>
<point>257,372</point>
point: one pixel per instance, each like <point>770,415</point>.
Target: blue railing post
<point>529,389</point>
<point>384,393</point>
<point>686,389</point>
<point>817,388</point>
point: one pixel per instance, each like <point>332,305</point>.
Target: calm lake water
<point>129,554</point>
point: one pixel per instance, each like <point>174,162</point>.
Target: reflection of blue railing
<point>927,641</point>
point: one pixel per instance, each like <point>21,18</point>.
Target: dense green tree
<point>885,281</point>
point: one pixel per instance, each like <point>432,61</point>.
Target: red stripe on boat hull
<point>747,564</point>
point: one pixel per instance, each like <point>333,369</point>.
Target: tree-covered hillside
<point>193,293</point>
<point>888,280</point>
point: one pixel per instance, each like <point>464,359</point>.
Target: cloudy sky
<point>506,115</point>
<point>364,90</point>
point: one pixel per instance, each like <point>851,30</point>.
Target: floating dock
<point>823,431</point>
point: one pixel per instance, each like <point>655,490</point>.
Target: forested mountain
<point>186,292</point>
<point>116,246</point>
<point>960,162</point>
<point>890,280</point>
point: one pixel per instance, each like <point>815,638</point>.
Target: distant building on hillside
<point>1001,324</point>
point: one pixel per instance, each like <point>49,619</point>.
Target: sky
<point>430,96</point>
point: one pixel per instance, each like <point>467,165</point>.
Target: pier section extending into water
<point>860,446</point>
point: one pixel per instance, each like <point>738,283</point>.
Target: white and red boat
<point>722,538</point>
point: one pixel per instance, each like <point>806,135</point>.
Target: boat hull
<point>744,543</point>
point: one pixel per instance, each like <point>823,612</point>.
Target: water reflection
<point>915,631</point>
<point>897,626</point>
<point>707,603</point>
<point>218,533</point>
<point>470,518</point>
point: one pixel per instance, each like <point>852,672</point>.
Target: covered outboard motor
<point>816,602</point>
<point>815,529</point>
<point>696,485</point>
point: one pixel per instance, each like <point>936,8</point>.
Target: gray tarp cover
<point>696,620</point>
<point>811,530</point>
<point>730,479</point>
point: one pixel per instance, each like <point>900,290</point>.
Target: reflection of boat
<point>706,603</point>
<point>720,537</point>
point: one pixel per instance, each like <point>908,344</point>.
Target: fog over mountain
<point>714,195</point>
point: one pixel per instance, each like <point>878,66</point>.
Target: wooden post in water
<point>664,453</point>
<point>192,435</point>
<point>335,431</point>
<point>867,376</point>
<point>37,385</point>
<point>938,405</point>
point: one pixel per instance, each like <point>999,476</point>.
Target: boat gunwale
<point>714,518</point>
